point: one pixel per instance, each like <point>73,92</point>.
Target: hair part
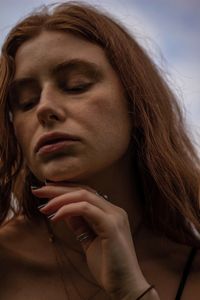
<point>167,163</point>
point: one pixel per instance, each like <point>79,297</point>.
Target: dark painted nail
<point>41,206</point>
<point>51,216</point>
<point>34,187</point>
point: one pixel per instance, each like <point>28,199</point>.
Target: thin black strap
<point>185,274</point>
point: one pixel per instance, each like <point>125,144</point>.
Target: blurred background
<point>168,29</point>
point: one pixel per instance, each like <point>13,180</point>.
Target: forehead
<point>40,54</point>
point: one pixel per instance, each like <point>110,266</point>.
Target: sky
<point>168,29</point>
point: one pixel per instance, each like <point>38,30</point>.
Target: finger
<point>75,197</point>
<point>52,191</point>
<point>83,232</point>
<point>100,222</point>
<point>78,225</point>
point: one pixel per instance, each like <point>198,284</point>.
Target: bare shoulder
<point>15,234</point>
<point>12,229</point>
<point>12,237</point>
<point>192,286</point>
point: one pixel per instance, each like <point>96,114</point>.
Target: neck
<point>119,184</point>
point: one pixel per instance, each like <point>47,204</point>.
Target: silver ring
<point>83,236</point>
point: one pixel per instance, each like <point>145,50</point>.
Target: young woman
<point>96,165</point>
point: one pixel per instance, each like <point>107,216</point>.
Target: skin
<point>100,161</point>
<point>103,151</point>
<point>87,114</point>
<point>44,104</point>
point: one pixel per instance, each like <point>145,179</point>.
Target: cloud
<point>166,27</point>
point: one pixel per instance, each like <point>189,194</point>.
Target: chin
<point>64,175</point>
<point>68,171</point>
<point>59,170</point>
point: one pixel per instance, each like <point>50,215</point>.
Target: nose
<point>50,109</point>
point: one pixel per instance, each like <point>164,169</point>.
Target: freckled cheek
<point>108,122</point>
<point>97,117</point>
<point>111,107</point>
<point>101,104</point>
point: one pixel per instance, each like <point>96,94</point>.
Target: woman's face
<point>70,114</point>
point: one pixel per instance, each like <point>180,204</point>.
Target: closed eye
<point>76,88</point>
<point>24,94</point>
<point>80,88</point>
<point>28,105</point>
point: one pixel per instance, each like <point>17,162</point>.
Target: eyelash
<point>27,105</point>
<point>80,88</point>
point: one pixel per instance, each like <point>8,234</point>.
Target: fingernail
<point>51,216</point>
<point>34,187</point>
<point>41,206</point>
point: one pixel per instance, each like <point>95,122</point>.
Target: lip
<point>50,139</point>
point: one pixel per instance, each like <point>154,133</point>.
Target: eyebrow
<point>88,68</point>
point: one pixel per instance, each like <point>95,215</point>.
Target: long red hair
<point>167,163</point>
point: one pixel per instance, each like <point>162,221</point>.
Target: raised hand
<point>109,247</point>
